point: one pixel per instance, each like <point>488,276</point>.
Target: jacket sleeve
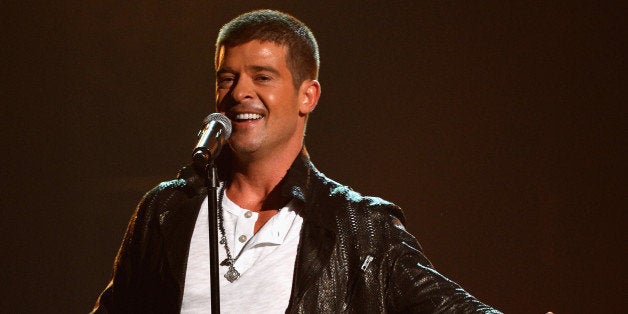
<point>416,287</point>
<point>119,295</point>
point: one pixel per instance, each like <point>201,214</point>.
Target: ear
<point>309,93</point>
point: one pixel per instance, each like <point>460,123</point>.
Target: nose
<point>242,89</point>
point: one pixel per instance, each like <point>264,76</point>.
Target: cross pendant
<point>232,274</point>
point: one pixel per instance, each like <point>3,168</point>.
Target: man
<point>292,240</point>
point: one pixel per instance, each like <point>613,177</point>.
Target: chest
<point>265,260</point>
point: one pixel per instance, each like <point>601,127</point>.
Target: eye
<point>263,78</point>
<point>225,81</point>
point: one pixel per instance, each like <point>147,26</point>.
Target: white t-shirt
<point>265,261</point>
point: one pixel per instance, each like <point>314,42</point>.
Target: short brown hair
<point>280,28</point>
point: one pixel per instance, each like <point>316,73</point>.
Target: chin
<point>243,148</point>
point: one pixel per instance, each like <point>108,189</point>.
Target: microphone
<point>211,138</point>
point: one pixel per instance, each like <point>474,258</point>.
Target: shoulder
<point>167,194</point>
<point>368,224</point>
<point>349,202</point>
<point>165,190</point>
<point>186,183</point>
<point>368,203</point>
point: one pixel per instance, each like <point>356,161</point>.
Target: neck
<point>255,182</point>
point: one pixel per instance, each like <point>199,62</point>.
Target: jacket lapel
<point>313,254</point>
<point>317,240</point>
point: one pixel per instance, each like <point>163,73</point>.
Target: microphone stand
<point>217,129</point>
<point>211,183</point>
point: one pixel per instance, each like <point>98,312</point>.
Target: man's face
<point>254,89</point>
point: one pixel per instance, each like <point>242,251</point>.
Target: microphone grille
<point>222,119</point>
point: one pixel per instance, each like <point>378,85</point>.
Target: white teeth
<point>248,116</point>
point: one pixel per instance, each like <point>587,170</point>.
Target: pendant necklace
<point>232,274</point>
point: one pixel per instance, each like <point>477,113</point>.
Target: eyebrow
<point>261,68</point>
<point>225,70</point>
<point>255,68</point>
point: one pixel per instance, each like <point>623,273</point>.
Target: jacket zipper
<point>365,265</point>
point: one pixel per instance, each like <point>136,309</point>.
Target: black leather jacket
<point>354,254</point>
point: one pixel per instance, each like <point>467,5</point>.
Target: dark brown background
<point>494,125</point>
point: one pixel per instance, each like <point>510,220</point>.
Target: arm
<point>417,287</point>
<point>119,295</point>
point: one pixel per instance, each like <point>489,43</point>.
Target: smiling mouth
<point>247,117</point>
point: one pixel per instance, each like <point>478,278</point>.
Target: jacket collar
<point>305,183</point>
<point>296,184</point>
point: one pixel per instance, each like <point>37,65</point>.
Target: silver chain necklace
<point>232,274</point>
